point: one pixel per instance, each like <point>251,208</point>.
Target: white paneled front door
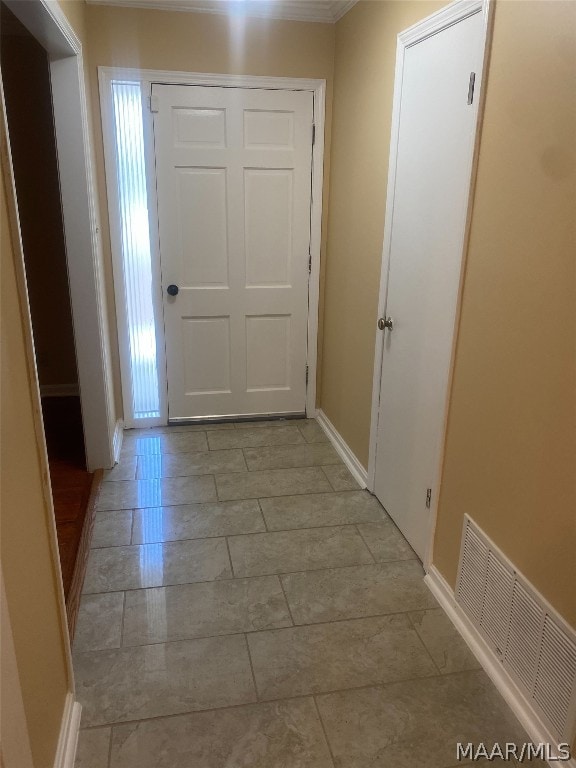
<point>233,168</point>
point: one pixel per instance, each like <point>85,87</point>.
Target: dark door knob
<point>172,290</point>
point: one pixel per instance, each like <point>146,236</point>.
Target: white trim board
<point>146,77</point>
<point>118,440</point>
<point>445,17</point>
<point>343,449</point>
<point>323,11</point>
<point>511,693</point>
<point>68,739</point>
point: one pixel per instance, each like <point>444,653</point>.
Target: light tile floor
<point>246,605</point>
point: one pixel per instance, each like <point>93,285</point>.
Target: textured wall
<point>511,451</point>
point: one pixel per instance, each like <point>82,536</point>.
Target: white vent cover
<point>534,644</point>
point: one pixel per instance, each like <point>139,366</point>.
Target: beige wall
<point>29,559</point>
<point>511,448</point>
<point>194,42</point>
<point>362,113</point>
<point>511,451</point>
<point>75,12</point>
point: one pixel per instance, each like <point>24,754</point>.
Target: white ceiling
<point>327,11</point>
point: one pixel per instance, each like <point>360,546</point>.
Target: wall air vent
<point>533,643</point>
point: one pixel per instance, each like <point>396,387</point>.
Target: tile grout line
<point>250,533</point>
<point>324,730</point>
<point>109,763</point>
<point>364,541</point>
<point>229,560</point>
<point>253,576</point>
<point>296,697</point>
<point>122,622</point>
<point>132,523</point>
<point>247,470</point>
<point>423,643</point>
<point>267,530</point>
<point>220,500</point>
<point>251,667</point>
<point>328,479</point>
<point>242,449</point>
<point>286,599</point>
<point>238,632</point>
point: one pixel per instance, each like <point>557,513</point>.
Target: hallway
<point>245,604</point>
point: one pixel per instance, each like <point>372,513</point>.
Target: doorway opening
<point>28,98</point>
<point>214,193</point>
<point>437,102</point>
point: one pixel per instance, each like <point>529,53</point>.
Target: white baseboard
<point>68,740</point>
<point>117,440</point>
<point>59,390</point>
<point>520,706</point>
<point>342,448</point>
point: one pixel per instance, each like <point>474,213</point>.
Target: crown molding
<point>322,11</point>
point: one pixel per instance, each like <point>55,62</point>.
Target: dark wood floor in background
<point>71,482</point>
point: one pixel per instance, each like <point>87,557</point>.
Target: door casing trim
<point>46,21</point>
<point>445,17</point>
<point>147,77</point>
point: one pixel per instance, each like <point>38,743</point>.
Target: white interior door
<point>233,170</point>
<point>428,219</point>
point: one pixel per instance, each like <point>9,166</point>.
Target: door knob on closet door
<point>172,290</point>
<point>386,323</point>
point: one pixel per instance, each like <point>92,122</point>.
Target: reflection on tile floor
<point>247,605</point>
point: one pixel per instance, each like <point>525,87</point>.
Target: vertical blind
<point>135,244</point>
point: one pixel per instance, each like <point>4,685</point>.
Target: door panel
<point>434,158</point>
<point>233,171</point>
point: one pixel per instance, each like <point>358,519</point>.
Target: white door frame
<point>146,77</point>
<point>46,21</point>
<point>446,17</point>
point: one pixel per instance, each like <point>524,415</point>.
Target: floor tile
<point>156,565</point>
<point>284,734</point>
<point>254,438</point>
<point>179,464</point>
<point>312,431</point>
<point>318,509</point>
<point>196,521</point>
<point>444,643</point>
<point>271,482</point>
<point>363,590</point>
<point>417,722</point>
<point>328,657</point>
<point>125,470</point>
<point>155,493</point>
<point>165,442</point>
<point>281,456</point>
<point>340,478</point>
<point>201,610</point>
<point>163,679</point>
<point>174,428</point>
<point>264,423</point>
<point>99,623</point>
<point>93,748</point>
<point>285,551</point>
<point>386,542</point>
<point>112,529</point>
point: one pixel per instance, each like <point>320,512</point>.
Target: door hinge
<point>309,261</point>
<point>471,84</point>
<point>313,134</point>
<point>153,104</point>
<point>428,497</point>
<point>306,374</point>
